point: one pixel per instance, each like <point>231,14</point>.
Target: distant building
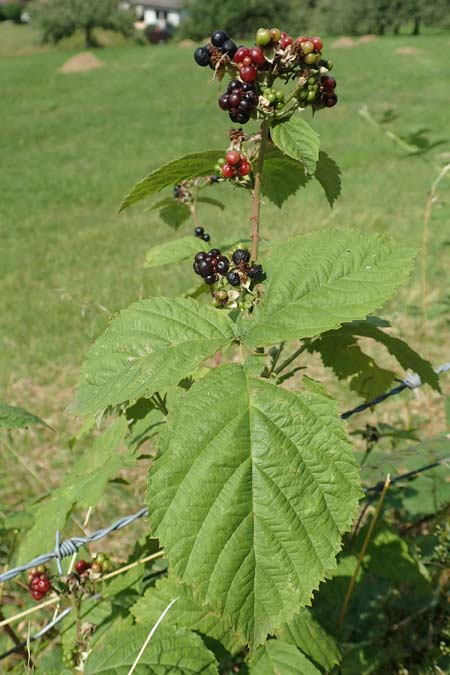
<point>157,13</point>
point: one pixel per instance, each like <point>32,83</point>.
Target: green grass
<point>72,144</point>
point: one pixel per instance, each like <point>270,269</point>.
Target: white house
<point>157,12</point>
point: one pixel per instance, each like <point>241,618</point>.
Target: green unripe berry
<point>309,59</point>
<point>41,569</point>
<point>96,568</point>
<point>311,80</point>
<point>307,47</point>
<point>275,34</point>
<point>267,92</point>
<point>221,161</point>
<point>330,65</point>
<point>311,96</point>
<point>106,566</point>
<point>302,94</point>
<point>271,98</point>
<point>318,57</point>
<point>222,295</point>
<point>263,37</point>
<point>279,95</point>
<point>100,558</point>
<point>280,105</point>
<point>217,168</point>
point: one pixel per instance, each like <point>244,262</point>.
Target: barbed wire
<point>71,546</point>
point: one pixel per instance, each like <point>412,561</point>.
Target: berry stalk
<point>256,203</point>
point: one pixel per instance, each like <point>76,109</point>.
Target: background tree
<point>239,18</point>
<point>59,19</point>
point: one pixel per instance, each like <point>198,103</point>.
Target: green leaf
<point>282,176</point>
<point>172,251</point>
<point>340,352</point>
<point>250,500</point>
<point>211,202</point>
<point>94,611</point>
<point>84,486</point>
<point>173,213</point>
<point>174,652</point>
<point>298,140</point>
<point>280,658</point>
<point>388,556</point>
<point>184,168</point>
<point>405,355</point>
<point>308,635</point>
<point>152,345</point>
<point>187,613</point>
<point>328,174</point>
<point>12,417</point>
<point>318,281</point>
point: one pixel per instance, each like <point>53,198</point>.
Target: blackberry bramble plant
<point>254,482</point>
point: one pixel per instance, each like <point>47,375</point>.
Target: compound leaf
<point>178,652</point>
<point>187,612</point>
<point>308,635</point>
<point>282,176</point>
<point>318,281</point>
<point>298,140</point>
<point>184,168</point>
<point>152,345</point>
<point>250,501</point>
<point>172,251</point>
<point>280,658</point>
<point>328,174</point>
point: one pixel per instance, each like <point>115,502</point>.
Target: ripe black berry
<point>224,102</point>
<point>219,37</point>
<point>245,106</point>
<point>210,279</point>
<point>241,256</point>
<point>201,255</point>
<point>223,265</point>
<point>214,252</point>
<point>234,84</point>
<point>205,237</point>
<point>255,271</point>
<point>229,47</point>
<point>204,267</point>
<point>198,231</point>
<point>202,56</point>
<point>234,98</point>
<point>233,279</point>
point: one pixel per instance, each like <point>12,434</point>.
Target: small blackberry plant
<point>254,482</point>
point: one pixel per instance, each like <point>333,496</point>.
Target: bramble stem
<point>289,360</point>
<point>256,203</point>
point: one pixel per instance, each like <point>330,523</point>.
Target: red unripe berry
<point>233,157</point>
<point>248,73</point>
<point>33,585</point>
<point>285,41</point>
<point>37,595</point>
<point>331,101</point>
<point>301,39</point>
<point>247,61</point>
<point>329,82</point>
<point>43,585</point>
<point>257,56</point>
<point>241,54</point>
<point>317,42</point>
<point>81,566</point>
<point>227,171</point>
<point>244,168</point>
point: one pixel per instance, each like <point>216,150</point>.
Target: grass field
<point>72,144</point>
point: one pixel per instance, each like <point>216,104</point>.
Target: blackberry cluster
<point>243,270</point>
<point>240,100</point>
<point>200,233</point>
<point>211,53</point>
<point>101,564</point>
<point>210,265</point>
<point>318,91</point>
<point>274,97</point>
<point>38,582</point>
<point>234,164</point>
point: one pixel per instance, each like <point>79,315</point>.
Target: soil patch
<point>81,63</point>
<point>344,42</point>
